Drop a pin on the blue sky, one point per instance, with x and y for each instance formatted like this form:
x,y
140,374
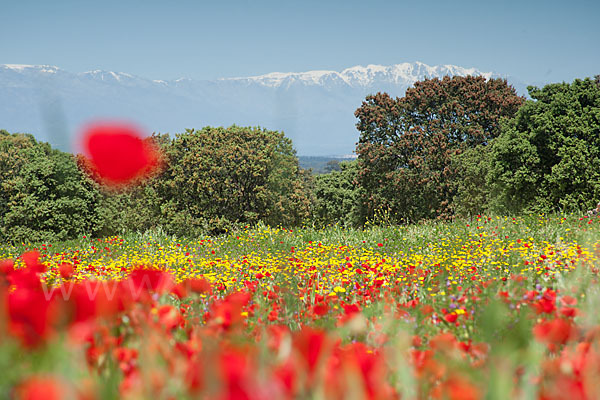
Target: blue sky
x,y
535,41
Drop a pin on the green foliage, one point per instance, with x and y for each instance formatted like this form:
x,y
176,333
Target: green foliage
x,y
43,196
407,144
548,157
336,196
11,162
472,191
333,165
212,180
216,177
136,209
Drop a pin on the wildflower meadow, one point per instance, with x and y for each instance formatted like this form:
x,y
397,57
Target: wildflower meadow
x,y
493,307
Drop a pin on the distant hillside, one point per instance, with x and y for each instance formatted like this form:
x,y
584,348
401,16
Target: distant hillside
x,y
315,109
319,164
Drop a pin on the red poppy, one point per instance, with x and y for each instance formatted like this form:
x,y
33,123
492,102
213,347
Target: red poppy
x,y
39,388
311,344
236,368
568,301
286,375
194,376
443,342
226,313
66,270
371,366
547,304
568,311
351,309
320,309
151,280
179,290
118,152
426,309
199,285
28,305
29,315
6,267
27,277
555,332
458,388
83,300
451,318
276,335
169,317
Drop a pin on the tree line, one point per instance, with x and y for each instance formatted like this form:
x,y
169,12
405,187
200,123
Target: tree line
x,y
449,147
463,146
212,180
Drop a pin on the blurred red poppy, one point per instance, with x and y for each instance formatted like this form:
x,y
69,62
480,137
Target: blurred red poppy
x,y
66,270
153,280
199,285
226,313
451,318
39,388
29,316
311,344
118,152
554,332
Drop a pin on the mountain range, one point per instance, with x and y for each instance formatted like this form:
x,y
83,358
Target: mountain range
x,y
315,109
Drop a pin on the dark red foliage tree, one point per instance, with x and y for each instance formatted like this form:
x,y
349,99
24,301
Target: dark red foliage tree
x,y
406,144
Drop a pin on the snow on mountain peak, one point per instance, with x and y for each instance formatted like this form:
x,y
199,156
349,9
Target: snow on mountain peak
x,y
17,67
405,74
49,69
360,76
275,79
107,75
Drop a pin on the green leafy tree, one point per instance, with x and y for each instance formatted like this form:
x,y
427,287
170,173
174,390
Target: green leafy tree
x,y
11,161
548,157
407,144
336,196
216,177
472,191
43,194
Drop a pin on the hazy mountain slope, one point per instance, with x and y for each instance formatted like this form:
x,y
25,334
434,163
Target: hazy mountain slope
x,y
315,108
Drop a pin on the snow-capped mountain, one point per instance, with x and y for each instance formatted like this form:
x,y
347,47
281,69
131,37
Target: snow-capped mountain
x,y
359,76
46,69
315,109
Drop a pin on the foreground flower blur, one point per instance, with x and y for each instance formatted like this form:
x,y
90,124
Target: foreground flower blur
x,y
118,152
266,313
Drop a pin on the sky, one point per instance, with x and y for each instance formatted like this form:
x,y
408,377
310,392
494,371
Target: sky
x,y
534,41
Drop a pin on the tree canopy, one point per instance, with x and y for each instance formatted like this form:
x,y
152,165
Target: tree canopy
x,y
43,194
548,157
336,196
217,176
406,144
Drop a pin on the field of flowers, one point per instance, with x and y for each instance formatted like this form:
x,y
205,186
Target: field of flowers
x,y
495,307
